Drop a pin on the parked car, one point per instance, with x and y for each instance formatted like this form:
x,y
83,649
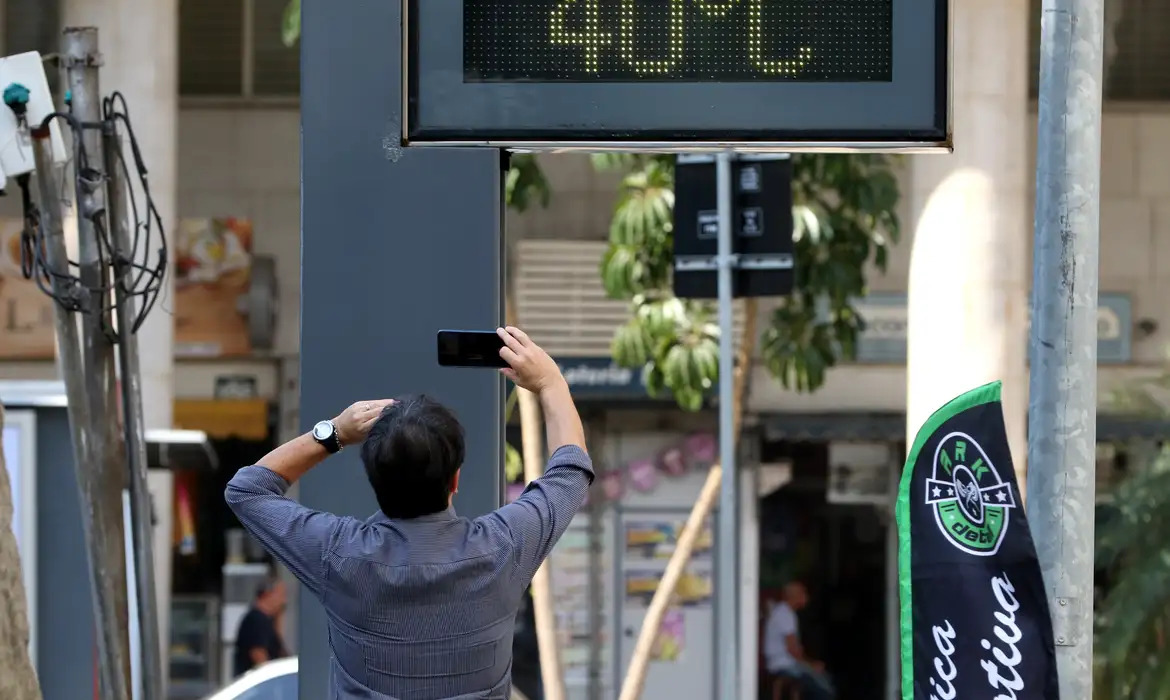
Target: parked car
x,y
275,680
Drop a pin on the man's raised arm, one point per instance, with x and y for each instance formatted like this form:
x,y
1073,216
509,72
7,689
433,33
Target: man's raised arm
x,y
562,422
537,519
297,536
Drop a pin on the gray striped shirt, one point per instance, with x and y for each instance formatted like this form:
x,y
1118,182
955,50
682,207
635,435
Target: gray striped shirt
x,y
418,609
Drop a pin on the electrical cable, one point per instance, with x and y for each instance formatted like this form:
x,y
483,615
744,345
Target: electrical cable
x,y
127,276
144,227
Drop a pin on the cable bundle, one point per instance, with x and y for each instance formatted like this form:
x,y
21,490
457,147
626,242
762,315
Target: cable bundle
x,y
129,271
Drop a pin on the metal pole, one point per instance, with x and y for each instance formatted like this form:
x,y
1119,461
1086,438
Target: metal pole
x,y
1063,401
69,358
141,513
107,470
728,642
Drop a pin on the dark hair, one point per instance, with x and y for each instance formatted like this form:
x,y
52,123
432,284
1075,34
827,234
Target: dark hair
x,y
411,456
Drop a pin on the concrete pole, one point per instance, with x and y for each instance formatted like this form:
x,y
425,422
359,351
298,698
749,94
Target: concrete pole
x,y
102,490
140,48
968,285
1063,410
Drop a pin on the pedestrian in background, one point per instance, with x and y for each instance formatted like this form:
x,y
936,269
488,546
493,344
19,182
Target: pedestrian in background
x,y
258,638
785,655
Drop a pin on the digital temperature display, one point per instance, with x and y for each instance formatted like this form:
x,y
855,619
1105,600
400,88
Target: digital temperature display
x,y
675,75
618,41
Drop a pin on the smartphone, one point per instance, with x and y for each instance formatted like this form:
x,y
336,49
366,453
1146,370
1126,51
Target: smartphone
x,y
470,349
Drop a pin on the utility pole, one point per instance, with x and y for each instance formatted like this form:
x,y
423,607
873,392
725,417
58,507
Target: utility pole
x,y
1062,411
727,611
141,513
106,418
103,487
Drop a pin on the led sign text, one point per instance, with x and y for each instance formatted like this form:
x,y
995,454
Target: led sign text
x,y
677,40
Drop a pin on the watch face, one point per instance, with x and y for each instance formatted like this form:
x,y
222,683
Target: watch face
x,y
323,430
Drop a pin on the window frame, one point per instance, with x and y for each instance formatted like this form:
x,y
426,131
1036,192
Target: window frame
x,y
247,97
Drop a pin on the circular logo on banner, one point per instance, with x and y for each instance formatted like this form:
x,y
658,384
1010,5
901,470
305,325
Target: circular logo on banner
x,y
972,503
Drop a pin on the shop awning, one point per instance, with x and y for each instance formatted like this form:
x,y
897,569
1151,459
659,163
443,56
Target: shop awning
x,y
179,449
165,449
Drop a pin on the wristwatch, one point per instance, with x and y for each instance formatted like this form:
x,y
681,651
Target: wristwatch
x,y
325,433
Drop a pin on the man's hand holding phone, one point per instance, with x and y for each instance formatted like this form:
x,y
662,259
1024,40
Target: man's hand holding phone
x,y
529,366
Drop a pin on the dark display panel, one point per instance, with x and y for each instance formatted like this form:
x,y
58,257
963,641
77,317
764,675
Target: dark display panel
x,y
553,74
677,40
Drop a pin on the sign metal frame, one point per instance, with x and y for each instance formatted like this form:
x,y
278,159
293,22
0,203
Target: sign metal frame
x,y
556,134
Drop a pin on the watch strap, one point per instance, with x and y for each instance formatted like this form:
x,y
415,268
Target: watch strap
x,y
332,444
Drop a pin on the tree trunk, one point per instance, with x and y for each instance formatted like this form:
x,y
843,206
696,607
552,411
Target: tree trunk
x,y
542,602
639,663
18,679
551,676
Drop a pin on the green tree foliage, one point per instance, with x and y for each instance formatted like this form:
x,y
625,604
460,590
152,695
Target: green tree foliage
x,y
525,184
290,26
513,463
1133,621
844,213
1133,531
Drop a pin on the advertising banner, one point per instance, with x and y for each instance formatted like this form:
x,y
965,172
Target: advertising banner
x,y
975,623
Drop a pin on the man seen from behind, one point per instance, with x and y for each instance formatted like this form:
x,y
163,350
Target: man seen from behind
x,y
421,603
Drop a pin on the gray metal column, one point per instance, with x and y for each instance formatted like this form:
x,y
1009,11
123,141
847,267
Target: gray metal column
x,y
726,609
396,244
1062,411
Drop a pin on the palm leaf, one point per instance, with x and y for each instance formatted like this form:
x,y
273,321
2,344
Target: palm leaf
x,y
290,25
844,219
1133,544
525,184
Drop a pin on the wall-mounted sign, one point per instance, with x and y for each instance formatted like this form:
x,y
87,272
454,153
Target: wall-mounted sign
x,y
601,377
761,204
884,338
779,73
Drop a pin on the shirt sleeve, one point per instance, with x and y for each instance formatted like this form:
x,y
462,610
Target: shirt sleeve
x,y
297,536
538,518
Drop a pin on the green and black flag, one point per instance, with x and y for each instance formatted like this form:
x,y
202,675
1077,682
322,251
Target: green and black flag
x,y
974,616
